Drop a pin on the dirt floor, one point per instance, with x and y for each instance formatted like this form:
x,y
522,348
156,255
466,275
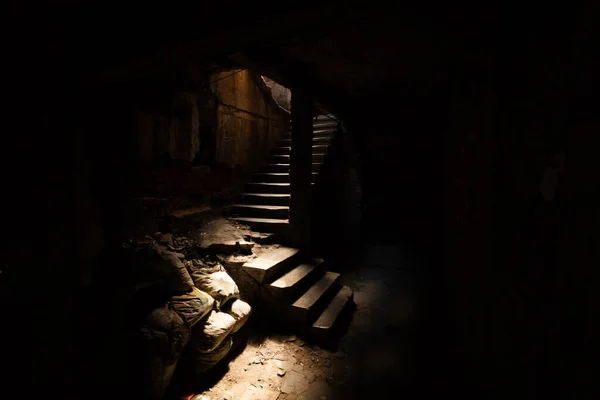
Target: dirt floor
x,y
377,352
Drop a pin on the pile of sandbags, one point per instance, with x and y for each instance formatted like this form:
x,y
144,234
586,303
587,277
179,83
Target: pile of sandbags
x,y
211,337
198,315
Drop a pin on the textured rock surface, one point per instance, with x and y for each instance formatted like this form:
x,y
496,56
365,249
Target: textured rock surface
x,y
222,236
248,287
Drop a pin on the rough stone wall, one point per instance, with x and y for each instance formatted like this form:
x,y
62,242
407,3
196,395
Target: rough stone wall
x,y
173,132
281,94
249,121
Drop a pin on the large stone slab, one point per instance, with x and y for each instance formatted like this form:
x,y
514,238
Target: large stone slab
x,y
341,301
221,236
289,284
271,265
316,297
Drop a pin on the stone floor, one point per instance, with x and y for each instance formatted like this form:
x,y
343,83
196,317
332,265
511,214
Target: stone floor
x,y
377,355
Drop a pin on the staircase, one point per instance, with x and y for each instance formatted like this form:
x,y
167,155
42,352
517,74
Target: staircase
x,y
302,294
295,288
265,205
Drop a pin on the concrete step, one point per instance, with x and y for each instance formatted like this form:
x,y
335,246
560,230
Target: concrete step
x,y
281,150
258,211
316,140
316,148
278,159
291,284
324,124
277,177
317,132
312,302
271,265
268,187
275,199
276,167
318,157
267,225
316,166
271,177
337,310
324,117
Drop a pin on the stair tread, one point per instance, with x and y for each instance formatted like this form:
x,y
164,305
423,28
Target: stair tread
x,y
327,319
278,173
296,274
269,183
312,295
266,194
271,264
285,165
320,138
313,146
263,220
262,207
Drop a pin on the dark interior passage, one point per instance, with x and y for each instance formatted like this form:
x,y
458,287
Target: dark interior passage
x,y
466,151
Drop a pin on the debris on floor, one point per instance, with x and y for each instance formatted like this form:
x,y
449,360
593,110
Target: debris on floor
x,y
275,367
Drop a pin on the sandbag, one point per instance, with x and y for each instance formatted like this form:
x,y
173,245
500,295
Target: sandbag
x,y
157,264
203,361
208,334
217,283
240,311
164,335
192,306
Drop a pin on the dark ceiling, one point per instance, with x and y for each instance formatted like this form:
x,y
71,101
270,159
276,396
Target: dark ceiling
x,y
335,49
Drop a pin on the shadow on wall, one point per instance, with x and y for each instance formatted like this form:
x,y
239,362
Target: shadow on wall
x,y
337,202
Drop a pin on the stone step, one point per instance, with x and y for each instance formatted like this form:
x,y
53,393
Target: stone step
x,y
341,305
316,148
318,157
276,199
285,158
292,283
317,132
267,225
316,140
324,124
278,159
310,304
258,211
277,177
316,166
268,187
324,117
276,167
271,265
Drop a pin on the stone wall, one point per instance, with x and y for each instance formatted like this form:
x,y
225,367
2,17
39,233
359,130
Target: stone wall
x,y
281,94
207,140
248,119
172,132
